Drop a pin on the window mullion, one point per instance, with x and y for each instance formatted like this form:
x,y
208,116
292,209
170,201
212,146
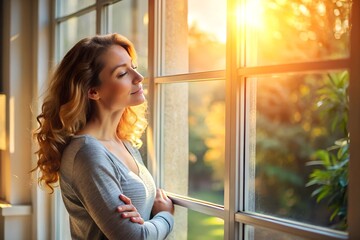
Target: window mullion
x,y
99,15
295,67
192,77
295,228
231,201
76,14
198,205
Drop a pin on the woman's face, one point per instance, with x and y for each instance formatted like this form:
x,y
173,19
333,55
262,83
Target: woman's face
x,y
120,82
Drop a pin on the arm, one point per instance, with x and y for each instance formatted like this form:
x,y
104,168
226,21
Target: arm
x,y
96,182
129,211
161,203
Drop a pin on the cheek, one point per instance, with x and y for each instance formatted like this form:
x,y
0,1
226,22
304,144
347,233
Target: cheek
x,y
115,92
122,88
118,90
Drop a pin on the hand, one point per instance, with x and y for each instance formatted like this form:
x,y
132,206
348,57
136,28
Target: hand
x,y
162,203
129,211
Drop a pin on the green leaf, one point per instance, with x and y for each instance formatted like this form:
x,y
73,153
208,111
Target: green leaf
x,y
325,191
323,155
314,163
338,166
343,181
334,214
320,174
312,182
316,191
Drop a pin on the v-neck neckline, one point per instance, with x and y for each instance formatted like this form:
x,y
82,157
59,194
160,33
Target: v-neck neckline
x,y
112,154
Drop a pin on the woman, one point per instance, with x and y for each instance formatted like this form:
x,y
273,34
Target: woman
x,y
90,128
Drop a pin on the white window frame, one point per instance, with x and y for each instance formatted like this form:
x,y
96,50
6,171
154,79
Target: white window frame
x,y
233,214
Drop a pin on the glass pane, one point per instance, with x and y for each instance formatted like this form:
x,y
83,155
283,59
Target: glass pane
x,y
130,18
298,147
73,30
204,227
255,233
292,31
193,124
144,147
192,225
195,36
66,7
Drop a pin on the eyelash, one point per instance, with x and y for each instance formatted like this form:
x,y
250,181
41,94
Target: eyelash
x,y
123,74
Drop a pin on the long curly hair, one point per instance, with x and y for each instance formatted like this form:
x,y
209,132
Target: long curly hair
x,y
67,108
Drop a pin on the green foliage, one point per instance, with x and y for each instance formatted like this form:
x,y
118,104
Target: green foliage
x,y
204,227
331,173
287,132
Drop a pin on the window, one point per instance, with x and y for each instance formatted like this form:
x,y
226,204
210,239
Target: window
x,y
253,127
296,116
189,85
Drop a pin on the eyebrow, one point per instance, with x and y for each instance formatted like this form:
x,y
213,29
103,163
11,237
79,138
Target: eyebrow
x,y
117,66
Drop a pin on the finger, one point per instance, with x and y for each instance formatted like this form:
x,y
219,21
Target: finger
x,y
130,214
163,194
158,193
138,220
125,199
126,208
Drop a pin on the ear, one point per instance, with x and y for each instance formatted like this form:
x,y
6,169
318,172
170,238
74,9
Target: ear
x,y
93,94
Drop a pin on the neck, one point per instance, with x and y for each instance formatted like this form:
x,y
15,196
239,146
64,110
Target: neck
x,y
103,126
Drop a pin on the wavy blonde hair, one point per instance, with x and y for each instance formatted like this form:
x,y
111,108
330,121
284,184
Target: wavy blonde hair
x,y
67,108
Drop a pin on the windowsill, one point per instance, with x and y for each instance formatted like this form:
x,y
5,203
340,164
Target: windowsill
x,y
7,209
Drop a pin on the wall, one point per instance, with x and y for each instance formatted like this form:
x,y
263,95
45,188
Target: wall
x,y
22,36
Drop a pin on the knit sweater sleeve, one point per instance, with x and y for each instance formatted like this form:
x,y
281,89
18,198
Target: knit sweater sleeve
x,y
96,183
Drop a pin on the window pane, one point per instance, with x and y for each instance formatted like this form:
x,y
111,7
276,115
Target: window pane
x,y
193,124
293,31
298,147
73,30
204,227
192,225
255,233
195,36
144,147
66,7
130,18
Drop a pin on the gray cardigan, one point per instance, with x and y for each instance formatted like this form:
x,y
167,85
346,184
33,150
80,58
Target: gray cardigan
x,y
91,180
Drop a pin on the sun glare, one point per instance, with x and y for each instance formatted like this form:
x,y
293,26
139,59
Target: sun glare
x,y
198,15
250,14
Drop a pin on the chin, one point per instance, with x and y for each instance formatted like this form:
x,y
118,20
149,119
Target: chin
x,y
138,101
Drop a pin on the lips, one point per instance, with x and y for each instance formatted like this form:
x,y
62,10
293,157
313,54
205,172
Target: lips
x,y
139,91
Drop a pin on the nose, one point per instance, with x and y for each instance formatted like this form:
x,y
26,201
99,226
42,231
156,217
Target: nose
x,y
137,77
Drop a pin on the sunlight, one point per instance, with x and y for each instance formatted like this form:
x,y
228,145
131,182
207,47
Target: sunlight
x,y
250,13
215,25
213,221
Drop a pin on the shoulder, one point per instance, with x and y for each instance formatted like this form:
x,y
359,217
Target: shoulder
x,y
85,150
86,159
83,143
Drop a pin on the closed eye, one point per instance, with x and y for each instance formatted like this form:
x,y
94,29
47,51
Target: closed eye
x,y
122,74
